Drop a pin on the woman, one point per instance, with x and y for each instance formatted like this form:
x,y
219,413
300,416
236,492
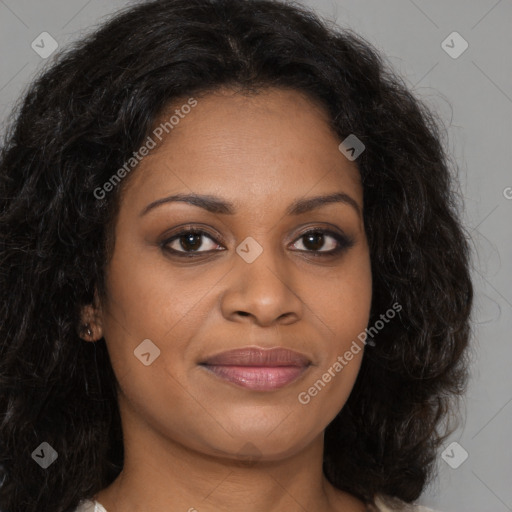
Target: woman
x,y
233,271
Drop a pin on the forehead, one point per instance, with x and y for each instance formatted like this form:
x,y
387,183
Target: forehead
x,y
278,140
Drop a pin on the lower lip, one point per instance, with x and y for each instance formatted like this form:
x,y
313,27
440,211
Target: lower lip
x,y
258,378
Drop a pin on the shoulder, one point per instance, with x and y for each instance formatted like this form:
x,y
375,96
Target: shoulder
x,y
389,504
89,506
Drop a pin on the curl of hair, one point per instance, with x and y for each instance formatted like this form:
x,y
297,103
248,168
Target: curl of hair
x,y
82,118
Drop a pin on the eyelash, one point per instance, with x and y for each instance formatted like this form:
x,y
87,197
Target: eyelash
x,y
344,243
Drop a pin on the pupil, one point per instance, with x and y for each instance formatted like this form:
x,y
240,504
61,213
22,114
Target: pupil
x,y
314,237
189,240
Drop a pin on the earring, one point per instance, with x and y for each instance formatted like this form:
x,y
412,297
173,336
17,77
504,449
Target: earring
x,y
87,329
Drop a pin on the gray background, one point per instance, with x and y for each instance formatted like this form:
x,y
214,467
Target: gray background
x,y
473,95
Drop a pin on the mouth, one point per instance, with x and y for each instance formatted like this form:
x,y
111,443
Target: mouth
x,y
258,369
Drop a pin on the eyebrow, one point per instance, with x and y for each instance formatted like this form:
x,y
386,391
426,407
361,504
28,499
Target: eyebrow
x,y
216,205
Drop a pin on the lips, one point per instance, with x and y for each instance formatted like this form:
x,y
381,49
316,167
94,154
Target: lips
x,y
259,357
258,369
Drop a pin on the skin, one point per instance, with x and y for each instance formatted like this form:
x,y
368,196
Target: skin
x,y
186,431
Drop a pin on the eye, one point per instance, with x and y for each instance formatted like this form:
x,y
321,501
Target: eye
x,y
315,240
188,242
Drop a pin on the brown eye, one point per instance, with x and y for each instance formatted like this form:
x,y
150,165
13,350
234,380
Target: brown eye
x,y
189,241
324,243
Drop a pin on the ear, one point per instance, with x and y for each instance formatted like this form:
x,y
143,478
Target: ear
x,y
91,327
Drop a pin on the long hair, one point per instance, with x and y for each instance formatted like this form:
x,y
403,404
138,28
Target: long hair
x,y
85,115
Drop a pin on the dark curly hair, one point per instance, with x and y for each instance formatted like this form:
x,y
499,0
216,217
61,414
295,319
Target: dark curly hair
x,y
90,110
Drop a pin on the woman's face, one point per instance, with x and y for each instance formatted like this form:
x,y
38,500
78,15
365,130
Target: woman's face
x,y
252,280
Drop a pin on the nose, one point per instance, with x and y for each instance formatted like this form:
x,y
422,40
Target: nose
x,y
263,292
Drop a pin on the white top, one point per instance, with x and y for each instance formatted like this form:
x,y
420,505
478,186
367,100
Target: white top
x,y
90,506
95,506
395,505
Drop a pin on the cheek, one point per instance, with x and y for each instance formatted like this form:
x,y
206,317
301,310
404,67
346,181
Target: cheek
x,y
152,296
342,300
149,302
343,305
153,300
